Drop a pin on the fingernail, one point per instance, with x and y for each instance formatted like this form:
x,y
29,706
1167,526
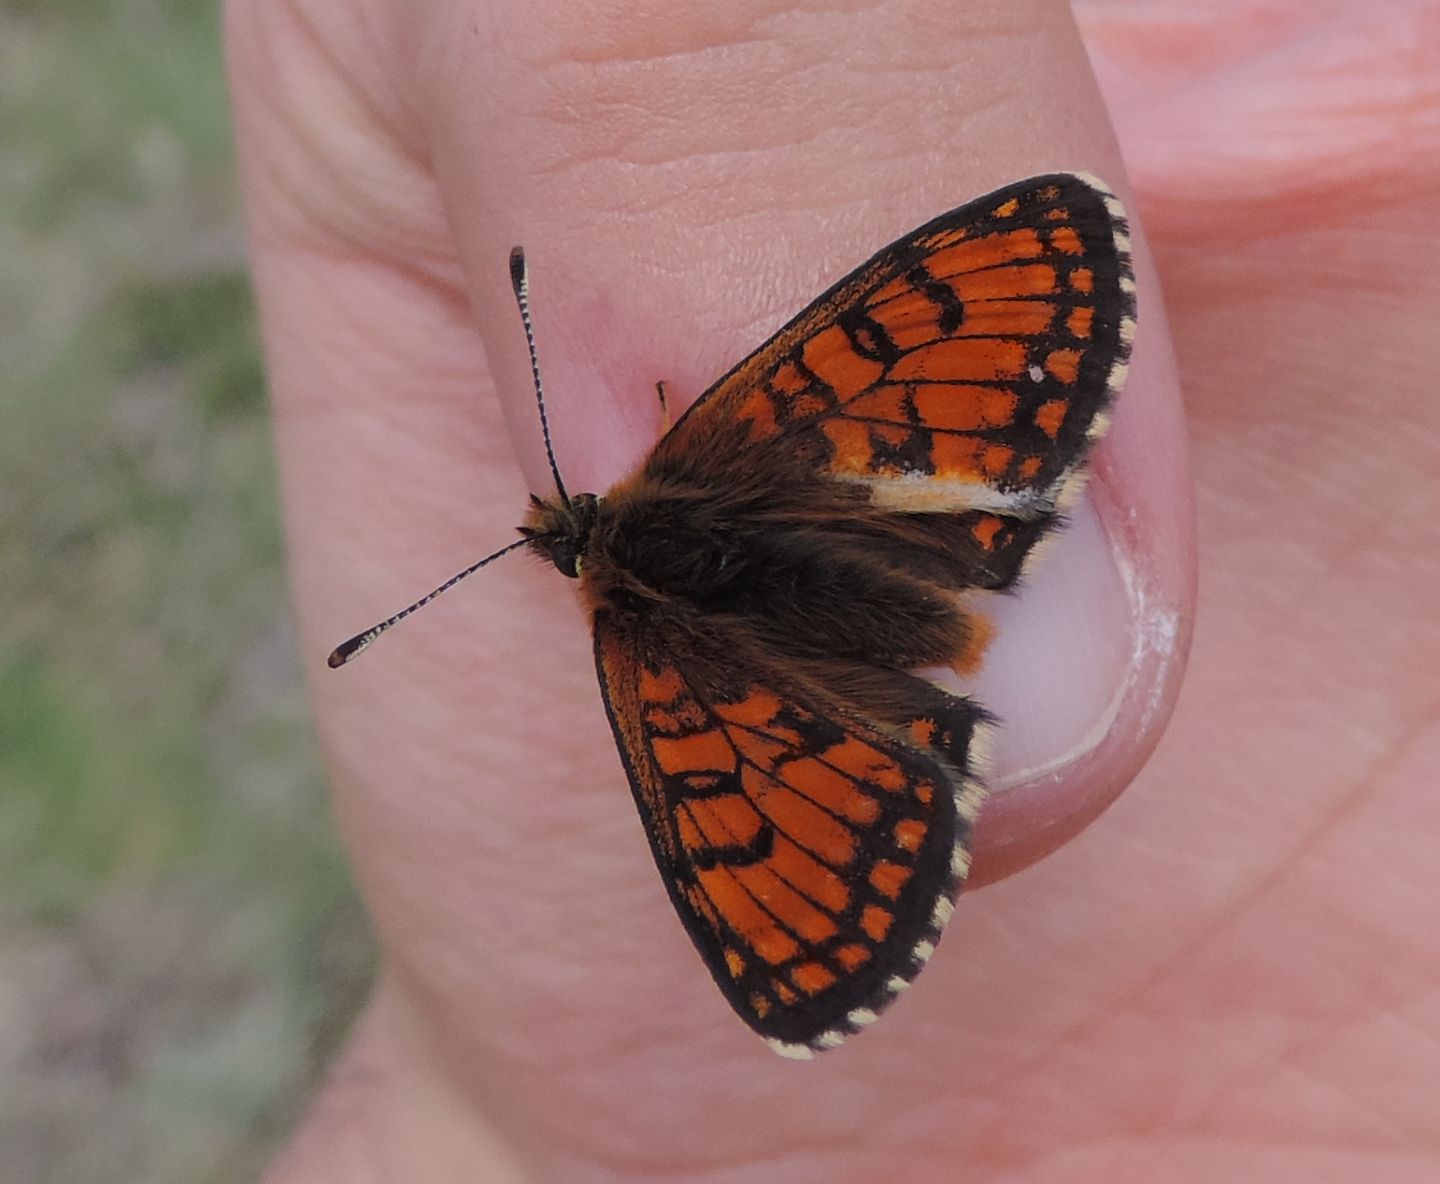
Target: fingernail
x,y
1063,646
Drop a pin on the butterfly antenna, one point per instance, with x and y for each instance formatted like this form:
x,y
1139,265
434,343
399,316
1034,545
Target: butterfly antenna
x,y
346,650
520,281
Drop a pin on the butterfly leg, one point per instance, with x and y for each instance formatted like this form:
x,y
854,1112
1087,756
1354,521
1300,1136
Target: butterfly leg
x,y
664,407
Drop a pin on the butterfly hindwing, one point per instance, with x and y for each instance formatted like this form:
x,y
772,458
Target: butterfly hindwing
x,y
812,852
966,368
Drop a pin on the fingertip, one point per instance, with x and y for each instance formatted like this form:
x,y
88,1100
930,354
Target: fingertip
x,y
1090,654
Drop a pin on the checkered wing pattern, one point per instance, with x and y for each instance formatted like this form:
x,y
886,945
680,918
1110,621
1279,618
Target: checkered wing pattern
x,y
812,851
965,369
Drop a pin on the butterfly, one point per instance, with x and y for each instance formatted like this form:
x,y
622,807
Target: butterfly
x,y
800,542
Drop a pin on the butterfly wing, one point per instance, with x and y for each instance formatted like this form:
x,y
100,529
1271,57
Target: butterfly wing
x,y
963,371
811,840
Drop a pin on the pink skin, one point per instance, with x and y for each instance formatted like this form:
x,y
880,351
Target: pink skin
x,y
1232,975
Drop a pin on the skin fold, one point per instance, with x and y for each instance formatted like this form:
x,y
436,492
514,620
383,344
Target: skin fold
x,y
1231,974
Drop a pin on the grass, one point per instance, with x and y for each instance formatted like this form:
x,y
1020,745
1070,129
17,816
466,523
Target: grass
x,y
180,946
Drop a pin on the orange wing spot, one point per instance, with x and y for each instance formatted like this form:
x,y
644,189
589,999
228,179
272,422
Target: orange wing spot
x,y
891,434
1065,239
743,914
785,994
956,458
922,731
734,963
791,909
1064,364
725,820
1050,416
758,748
909,834
1007,318
806,404
1029,467
865,763
811,977
759,1005
924,794
1082,279
663,721
762,750
947,238
852,957
1049,193
960,359
1002,283
889,878
895,289
760,411
884,402
691,715
1080,321
809,826
701,904
985,530
834,791
756,710
911,321
1058,214
990,250
788,380
960,408
851,441
996,458
684,716
705,752
703,782
664,687
690,837
809,875
876,921
1007,209
831,359
977,636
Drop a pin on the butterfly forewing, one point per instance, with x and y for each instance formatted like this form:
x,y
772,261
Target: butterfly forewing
x,y
965,367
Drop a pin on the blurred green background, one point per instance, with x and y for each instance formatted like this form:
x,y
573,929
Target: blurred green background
x,y
180,947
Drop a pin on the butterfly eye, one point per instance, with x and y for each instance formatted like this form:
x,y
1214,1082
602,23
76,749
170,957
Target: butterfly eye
x,y
567,559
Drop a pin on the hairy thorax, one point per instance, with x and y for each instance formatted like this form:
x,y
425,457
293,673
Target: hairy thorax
x,y
790,573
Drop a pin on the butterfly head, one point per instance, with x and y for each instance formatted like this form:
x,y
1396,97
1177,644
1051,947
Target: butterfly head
x,y
560,529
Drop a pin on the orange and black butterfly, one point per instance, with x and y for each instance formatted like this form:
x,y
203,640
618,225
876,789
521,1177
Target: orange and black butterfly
x,y
796,546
